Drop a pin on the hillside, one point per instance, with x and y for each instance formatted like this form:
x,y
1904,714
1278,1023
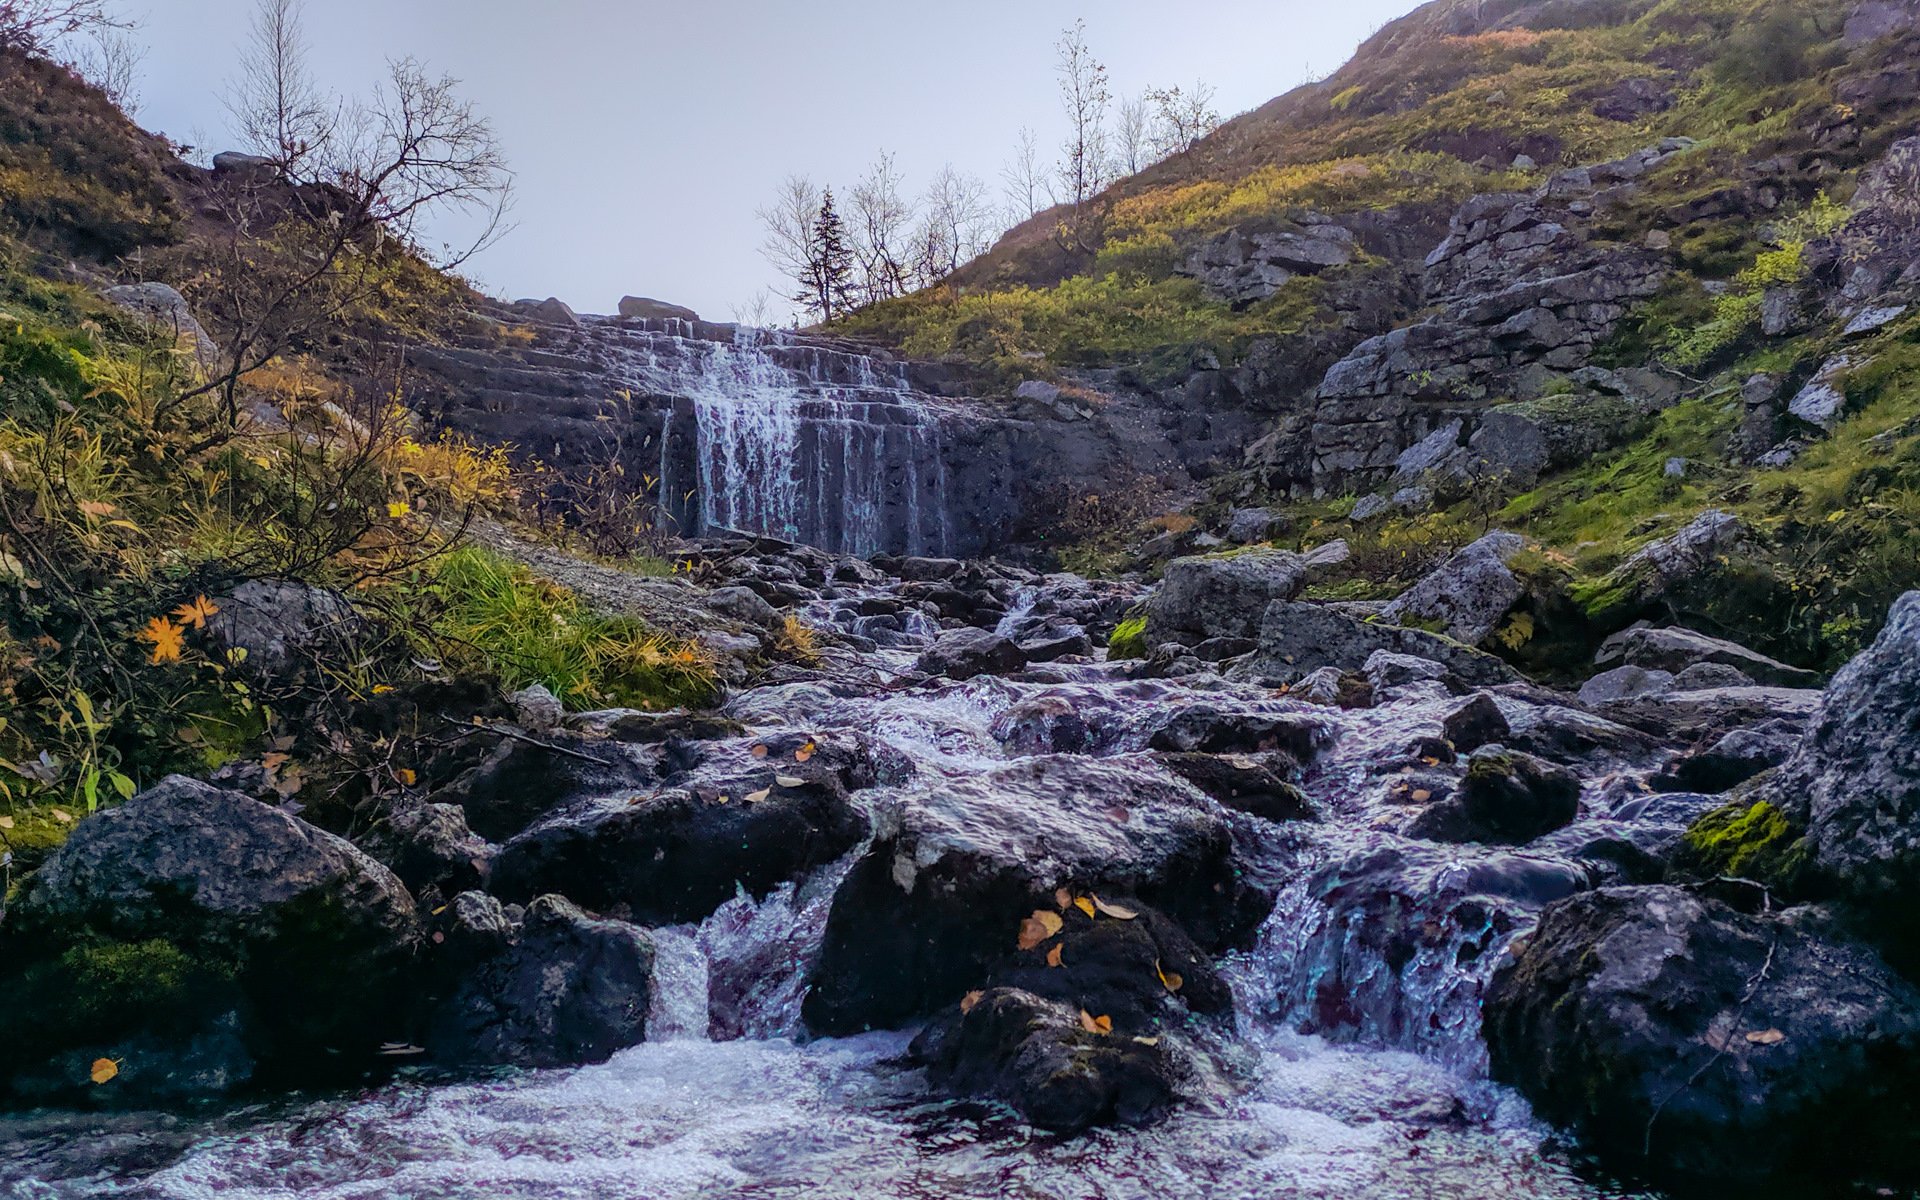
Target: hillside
x,y
1713,189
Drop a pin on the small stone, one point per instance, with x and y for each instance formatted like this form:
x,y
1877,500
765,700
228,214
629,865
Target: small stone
x,y
1676,468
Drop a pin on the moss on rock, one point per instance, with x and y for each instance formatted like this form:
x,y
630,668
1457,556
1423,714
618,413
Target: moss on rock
x,y
1129,639
1747,841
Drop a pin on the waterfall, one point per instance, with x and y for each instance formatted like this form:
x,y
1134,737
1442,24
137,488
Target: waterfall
x,y
788,439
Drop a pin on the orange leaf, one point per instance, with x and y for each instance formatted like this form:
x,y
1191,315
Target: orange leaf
x,y
968,1001
1766,1037
1114,910
1168,979
1084,905
1093,1024
1423,795
196,613
168,639
405,776
273,762
759,751
1038,928
1053,956
104,1069
804,753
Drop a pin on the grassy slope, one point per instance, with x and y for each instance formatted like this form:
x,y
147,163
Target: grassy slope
x,y
1405,124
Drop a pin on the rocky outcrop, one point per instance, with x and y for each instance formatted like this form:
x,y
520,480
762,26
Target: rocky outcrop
x,y
193,918
923,916
1710,1048
558,989
1298,638
1472,592
1674,650
1244,267
1665,574
1227,595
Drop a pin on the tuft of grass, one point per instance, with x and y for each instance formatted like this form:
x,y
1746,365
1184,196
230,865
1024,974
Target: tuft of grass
x,y
798,641
530,630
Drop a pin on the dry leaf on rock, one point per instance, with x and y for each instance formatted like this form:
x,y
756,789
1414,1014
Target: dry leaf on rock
x,y
1093,1024
1767,1037
1084,905
757,797
788,781
1063,898
1053,956
1038,928
104,1069
968,1001
1170,980
759,751
1114,910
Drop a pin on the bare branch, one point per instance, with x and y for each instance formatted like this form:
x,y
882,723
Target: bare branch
x,y
34,26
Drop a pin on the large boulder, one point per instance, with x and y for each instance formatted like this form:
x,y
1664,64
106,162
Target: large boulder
x,y
675,855
161,307
1091,1016
432,851
1507,796
192,916
1661,575
558,990
1712,1048
1226,596
1472,592
1854,782
1676,649
277,622
921,918
504,782
961,654
1297,639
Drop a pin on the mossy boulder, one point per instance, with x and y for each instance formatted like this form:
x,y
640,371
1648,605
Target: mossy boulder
x,y
196,924
1129,639
1747,840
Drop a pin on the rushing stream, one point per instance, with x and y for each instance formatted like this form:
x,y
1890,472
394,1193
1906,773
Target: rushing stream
x,y
1385,1095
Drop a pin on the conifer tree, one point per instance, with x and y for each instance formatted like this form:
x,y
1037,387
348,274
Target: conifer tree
x,y
829,273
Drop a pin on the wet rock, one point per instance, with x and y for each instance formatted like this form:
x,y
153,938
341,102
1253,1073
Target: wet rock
x,y
1325,686
1707,1047
430,848
537,710
961,654
1737,757
676,855
1042,725
1507,797
1568,735
1242,783
926,912
505,783
1472,592
1404,677
1676,649
204,902
1702,677
743,605
1854,783
1203,598
1296,639
1021,1036
1479,722
1625,683
1215,650
1057,644
638,728
565,990
1211,729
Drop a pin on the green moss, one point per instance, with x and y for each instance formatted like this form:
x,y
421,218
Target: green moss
x,y
35,835
1129,639
1745,841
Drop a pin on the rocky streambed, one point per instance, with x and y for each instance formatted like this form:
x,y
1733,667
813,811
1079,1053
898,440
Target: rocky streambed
x,y
1302,903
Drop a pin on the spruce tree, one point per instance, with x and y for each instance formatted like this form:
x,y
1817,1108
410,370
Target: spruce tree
x,y
829,263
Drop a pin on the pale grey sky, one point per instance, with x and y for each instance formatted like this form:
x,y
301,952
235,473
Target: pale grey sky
x,y
645,134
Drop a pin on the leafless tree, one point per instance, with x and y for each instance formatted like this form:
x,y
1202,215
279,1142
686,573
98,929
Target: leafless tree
x,y
277,108
1182,118
34,26
110,60
1026,179
788,224
1085,93
956,224
881,223
1133,134
756,312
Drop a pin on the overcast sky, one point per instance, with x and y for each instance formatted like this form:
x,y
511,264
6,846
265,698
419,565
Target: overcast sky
x,y
645,134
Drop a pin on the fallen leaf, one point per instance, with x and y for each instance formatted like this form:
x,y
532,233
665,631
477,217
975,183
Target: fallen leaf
x,y
1053,956
438,911
167,638
1147,1041
1431,761
788,781
1767,1037
1084,905
1093,1024
60,815
968,1001
6,822
196,613
757,797
438,937
405,776
724,799
96,508
1063,898
104,1069
1114,910
1170,980
804,753
1118,815
1423,795
1038,928
273,762
759,751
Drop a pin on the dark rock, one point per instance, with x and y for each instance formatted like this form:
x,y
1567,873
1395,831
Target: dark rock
x,y
677,855
744,605
1242,783
1569,735
925,914
1213,730
505,783
961,654
1242,268
1057,644
1403,677
1479,722
563,991
1676,649
641,308
1708,1048
1632,100
1735,758
187,904
1042,725
254,169
1297,639
646,729
1472,591
1854,782
1706,676
1516,797
430,847
1625,683
536,709
277,622
1202,598
1215,650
